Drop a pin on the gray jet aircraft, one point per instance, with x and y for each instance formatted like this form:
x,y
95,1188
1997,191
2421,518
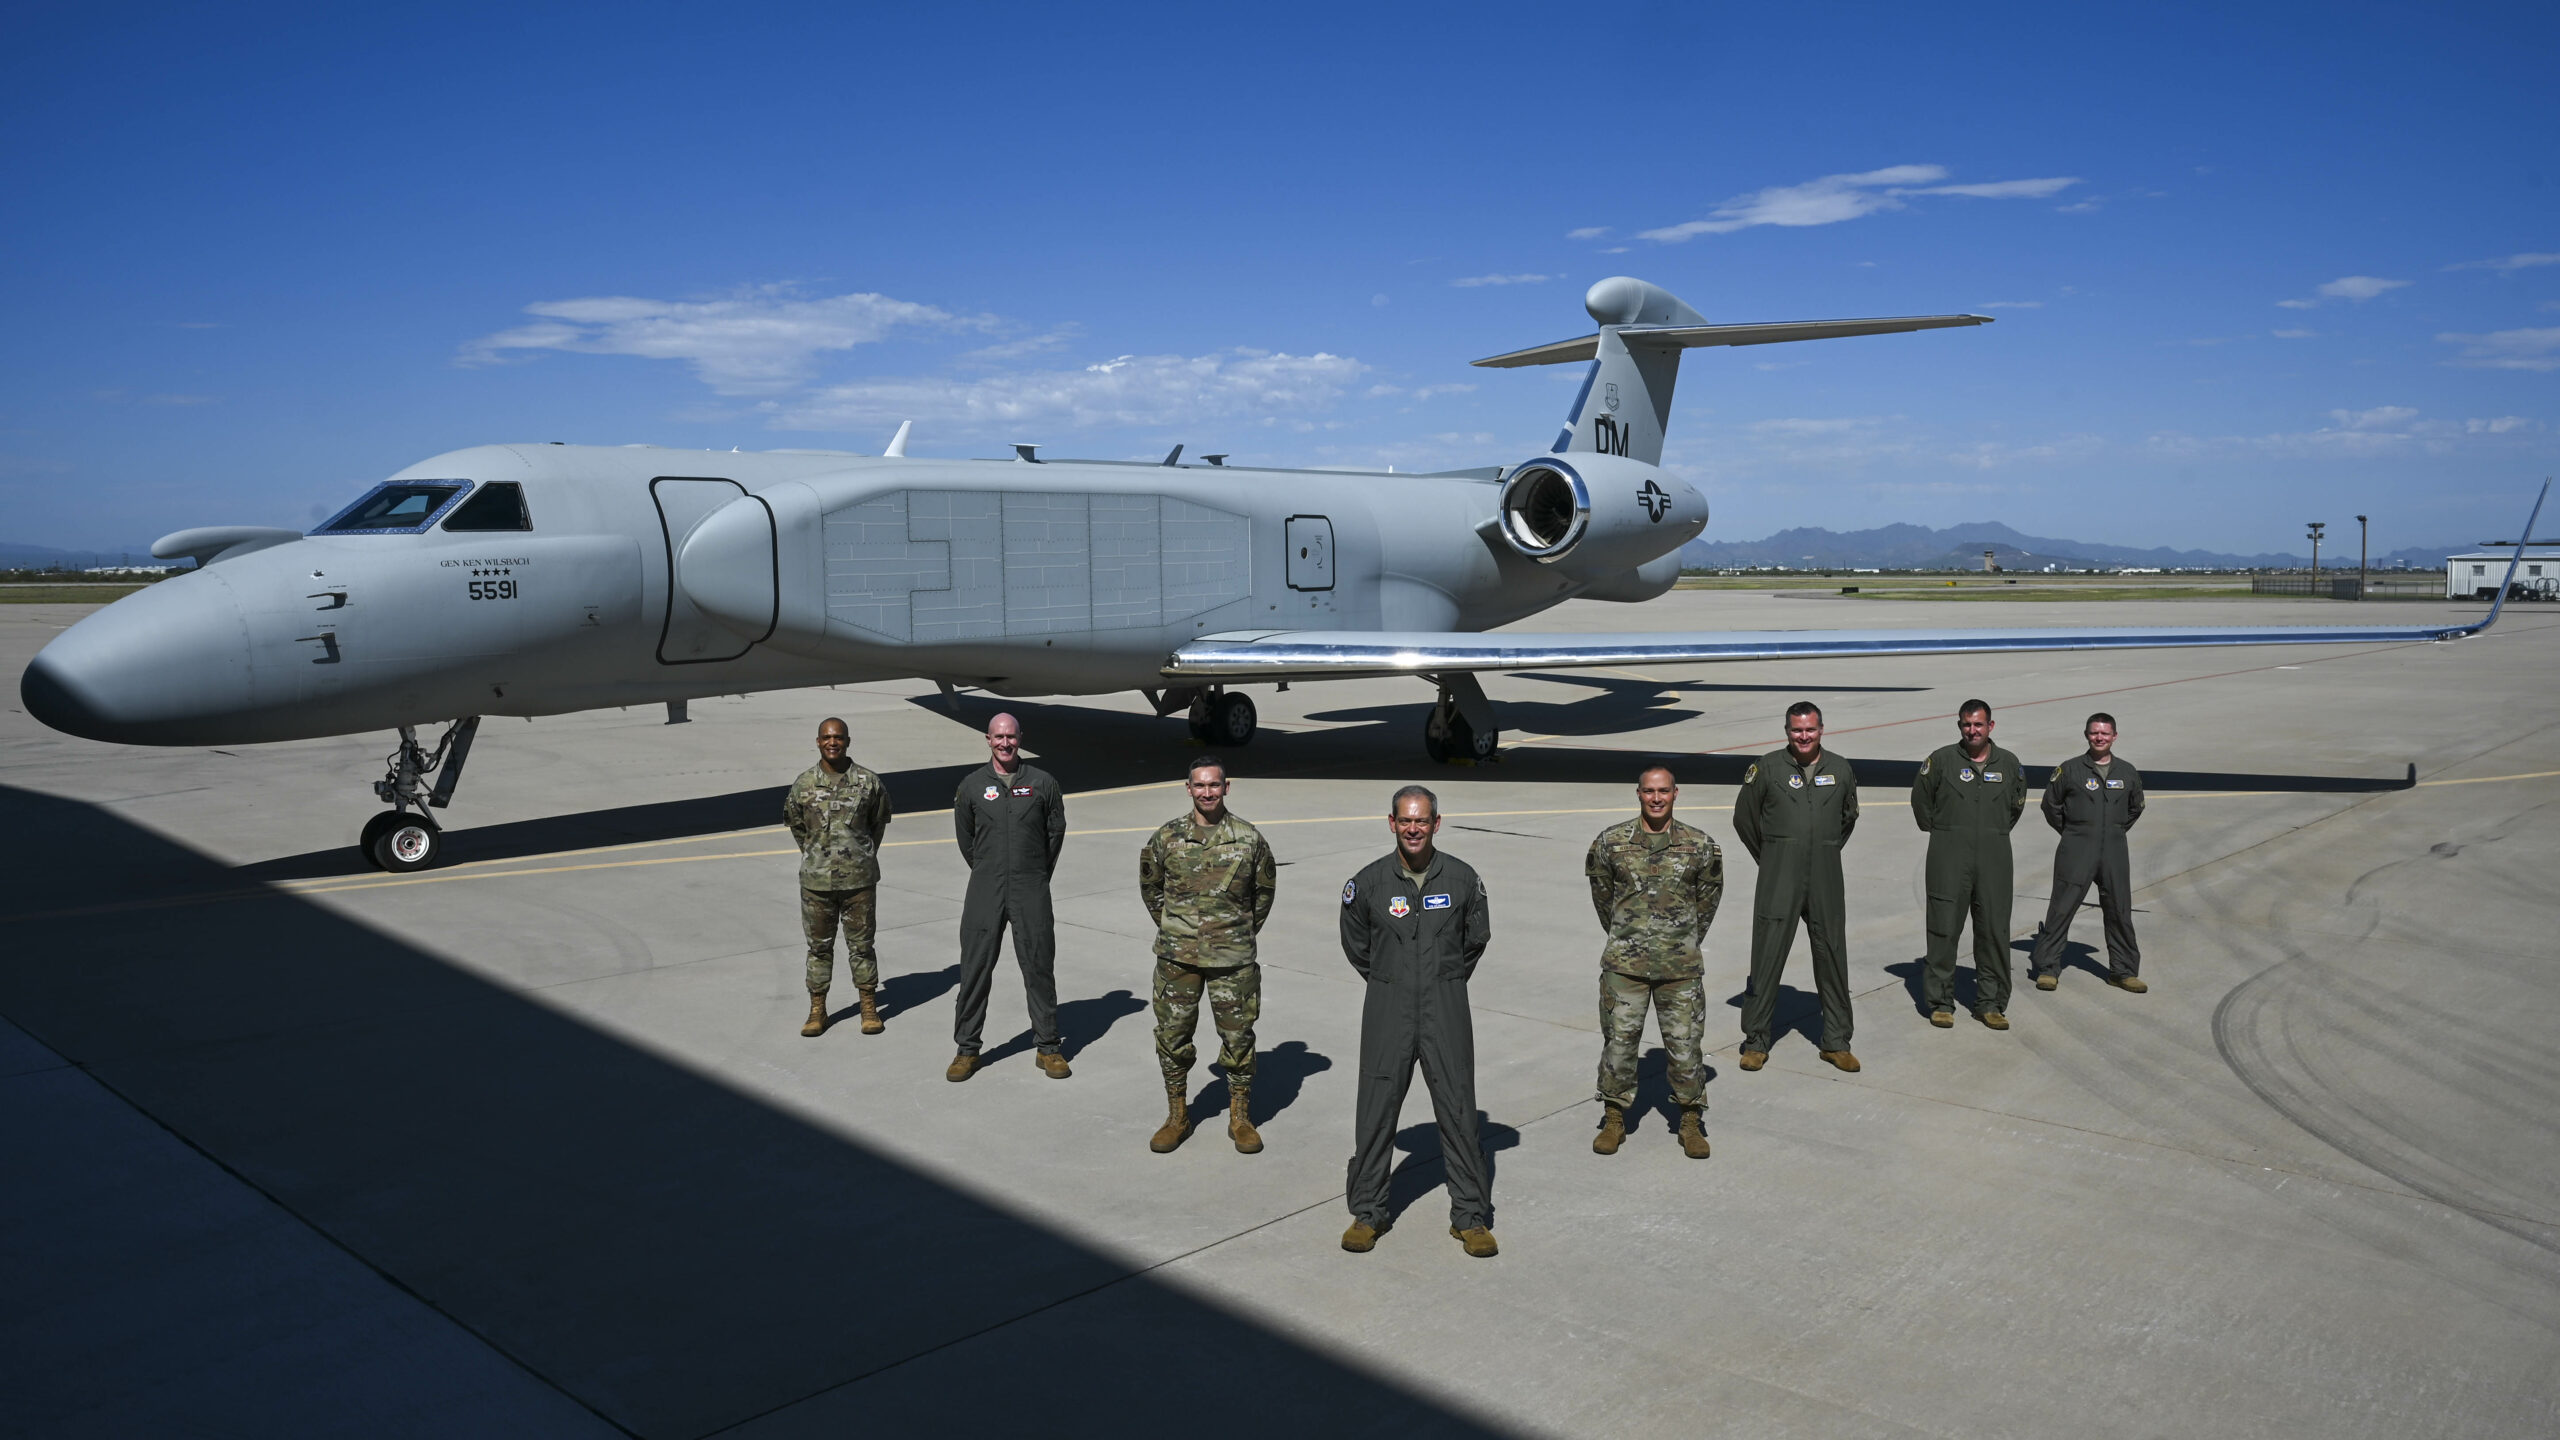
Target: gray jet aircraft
x,y
540,579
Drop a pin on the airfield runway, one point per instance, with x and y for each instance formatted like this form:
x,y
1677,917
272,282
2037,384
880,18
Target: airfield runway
x,y
532,1145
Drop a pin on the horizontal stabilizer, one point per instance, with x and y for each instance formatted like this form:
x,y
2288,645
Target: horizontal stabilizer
x,y
1690,337
1321,654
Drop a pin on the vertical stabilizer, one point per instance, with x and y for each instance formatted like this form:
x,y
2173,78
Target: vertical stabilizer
x,y
1625,404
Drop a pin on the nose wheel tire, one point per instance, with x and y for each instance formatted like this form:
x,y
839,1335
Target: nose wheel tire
x,y
406,842
372,831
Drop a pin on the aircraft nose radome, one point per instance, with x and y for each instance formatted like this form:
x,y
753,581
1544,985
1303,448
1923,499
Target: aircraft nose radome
x,y
144,670
54,699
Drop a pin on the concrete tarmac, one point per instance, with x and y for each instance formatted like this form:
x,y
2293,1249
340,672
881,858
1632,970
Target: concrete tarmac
x,y
532,1144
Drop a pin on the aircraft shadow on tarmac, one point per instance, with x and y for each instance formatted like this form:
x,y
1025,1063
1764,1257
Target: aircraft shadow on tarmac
x,y
672,1253
1095,749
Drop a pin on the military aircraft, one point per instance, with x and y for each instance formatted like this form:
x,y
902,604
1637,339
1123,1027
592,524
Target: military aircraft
x,y
540,579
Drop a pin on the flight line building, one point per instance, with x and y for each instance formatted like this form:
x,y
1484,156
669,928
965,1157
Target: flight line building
x,y
2477,574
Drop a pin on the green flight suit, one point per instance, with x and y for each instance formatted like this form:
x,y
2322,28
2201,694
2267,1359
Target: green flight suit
x,y
1794,819
1010,829
1209,890
2092,806
1417,946
1968,808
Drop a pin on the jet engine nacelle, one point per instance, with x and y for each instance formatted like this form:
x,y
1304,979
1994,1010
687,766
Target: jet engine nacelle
x,y
1598,515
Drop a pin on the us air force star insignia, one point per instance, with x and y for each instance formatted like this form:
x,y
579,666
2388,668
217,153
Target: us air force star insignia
x,y
991,792
1795,782
1965,774
1349,889
1399,908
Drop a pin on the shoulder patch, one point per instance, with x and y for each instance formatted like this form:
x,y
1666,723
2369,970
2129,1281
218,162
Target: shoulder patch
x,y
1924,765
1350,889
1752,773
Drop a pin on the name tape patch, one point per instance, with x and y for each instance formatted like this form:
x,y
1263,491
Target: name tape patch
x,y
1826,779
2115,784
1021,791
1435,902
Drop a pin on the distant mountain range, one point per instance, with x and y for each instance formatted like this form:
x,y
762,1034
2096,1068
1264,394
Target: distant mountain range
x,y
45,557
1960,547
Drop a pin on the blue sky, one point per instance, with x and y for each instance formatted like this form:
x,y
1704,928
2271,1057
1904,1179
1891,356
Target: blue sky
x,y
2252,265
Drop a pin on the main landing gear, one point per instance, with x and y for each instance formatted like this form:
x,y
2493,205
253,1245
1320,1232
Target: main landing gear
x,y
398,840
1217,716
1460,728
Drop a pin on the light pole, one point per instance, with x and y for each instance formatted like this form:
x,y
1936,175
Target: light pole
x,y
2364,552
2316,527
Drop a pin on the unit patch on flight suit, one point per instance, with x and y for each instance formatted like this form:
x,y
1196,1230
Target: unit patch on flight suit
x,y
1965,774
991,793
1795,782
2090,784
1399,907
1349,889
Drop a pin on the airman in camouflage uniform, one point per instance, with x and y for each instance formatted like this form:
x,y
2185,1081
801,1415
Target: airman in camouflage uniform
x,y
1208,880
836,811
1655,883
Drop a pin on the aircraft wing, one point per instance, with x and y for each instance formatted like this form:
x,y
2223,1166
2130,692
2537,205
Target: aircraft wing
x,y
1690,337
1335,654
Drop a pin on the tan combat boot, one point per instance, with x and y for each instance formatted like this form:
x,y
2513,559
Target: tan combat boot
x,y
1477,1239
817,1025
1693,1132
1177,1119
872,1024
1613,1130
1240,1119
1362,1237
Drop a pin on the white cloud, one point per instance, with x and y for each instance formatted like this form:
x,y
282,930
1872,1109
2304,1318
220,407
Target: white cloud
x,y
759,341
1132,390
1587,232
1419,392
2012,305
1378,301
2079,207
2509,264
2384,430
2359,288
2507,350
1472,281
1834,198
2294,334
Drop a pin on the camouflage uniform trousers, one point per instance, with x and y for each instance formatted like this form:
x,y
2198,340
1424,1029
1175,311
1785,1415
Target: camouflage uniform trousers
x,y
821,911
1679,1007
1235,1003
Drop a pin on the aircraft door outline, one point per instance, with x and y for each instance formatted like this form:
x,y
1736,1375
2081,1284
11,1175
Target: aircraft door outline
x,y
1309,541
682,624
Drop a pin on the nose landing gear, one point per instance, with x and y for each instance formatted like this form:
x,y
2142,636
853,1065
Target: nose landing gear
x,y
398,840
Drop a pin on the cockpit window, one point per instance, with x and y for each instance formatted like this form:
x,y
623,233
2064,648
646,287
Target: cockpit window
x,y
396,507
498,505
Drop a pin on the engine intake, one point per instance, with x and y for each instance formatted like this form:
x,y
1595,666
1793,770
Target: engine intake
x,y
1545,509
1596,517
